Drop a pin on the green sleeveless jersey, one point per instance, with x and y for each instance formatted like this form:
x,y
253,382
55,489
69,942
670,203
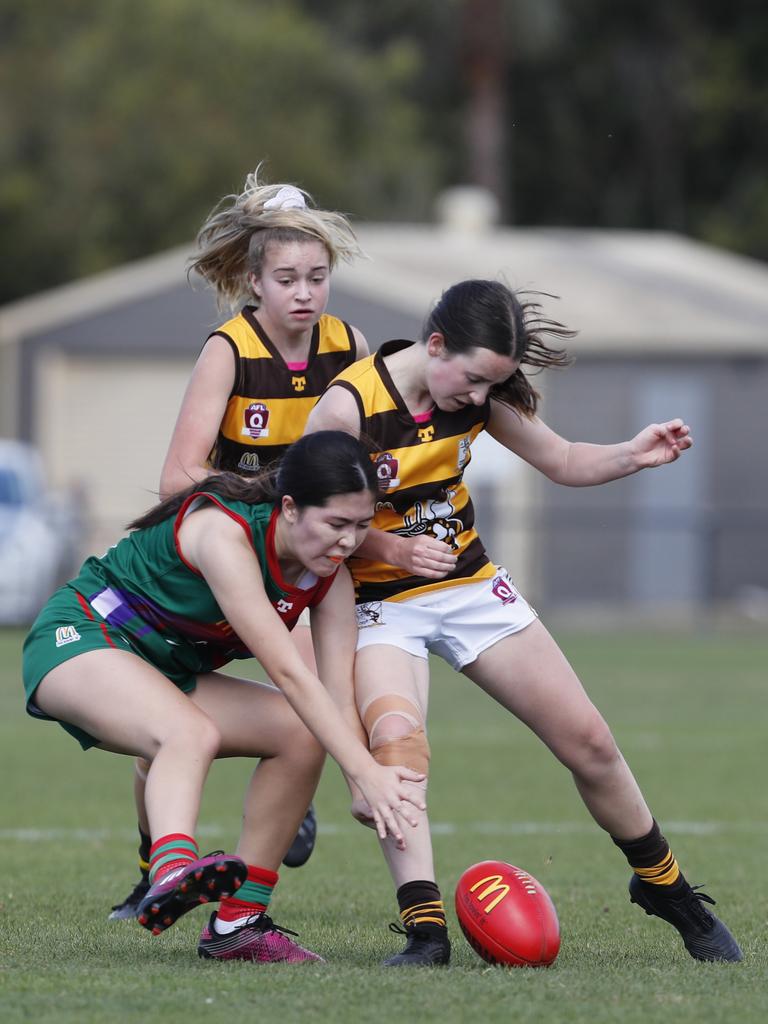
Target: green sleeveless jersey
x,y
143,588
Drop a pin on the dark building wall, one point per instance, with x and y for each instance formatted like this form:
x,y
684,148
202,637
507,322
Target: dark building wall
x,y
176,322
694,531
378,322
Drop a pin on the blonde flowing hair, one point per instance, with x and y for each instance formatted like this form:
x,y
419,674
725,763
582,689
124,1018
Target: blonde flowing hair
x,y
232,242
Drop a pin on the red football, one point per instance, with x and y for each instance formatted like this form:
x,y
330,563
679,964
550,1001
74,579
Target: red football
x,y
507,916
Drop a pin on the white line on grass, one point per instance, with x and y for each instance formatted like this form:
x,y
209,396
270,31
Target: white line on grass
x,y
439,828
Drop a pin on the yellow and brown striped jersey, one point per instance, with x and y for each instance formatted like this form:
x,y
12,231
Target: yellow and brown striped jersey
x,y
420,463
270,401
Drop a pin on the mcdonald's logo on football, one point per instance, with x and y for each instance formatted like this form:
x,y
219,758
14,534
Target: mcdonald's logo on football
x,y
494,885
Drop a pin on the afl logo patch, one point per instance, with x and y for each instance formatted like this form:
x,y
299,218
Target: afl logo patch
x,y
256,420
386,471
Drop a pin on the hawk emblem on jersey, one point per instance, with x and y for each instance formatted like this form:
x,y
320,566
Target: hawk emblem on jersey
x,y
386,471
464,455
436,518
503,589
256,420
426,433
298,383
284,606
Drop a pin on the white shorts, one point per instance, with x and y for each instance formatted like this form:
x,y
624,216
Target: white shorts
x,y
458,622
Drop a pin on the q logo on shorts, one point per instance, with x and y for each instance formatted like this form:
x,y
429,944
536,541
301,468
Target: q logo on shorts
x,y
504,590
256,418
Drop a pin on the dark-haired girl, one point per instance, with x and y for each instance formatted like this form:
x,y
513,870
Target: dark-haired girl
x,y
425,584
268,253
125,657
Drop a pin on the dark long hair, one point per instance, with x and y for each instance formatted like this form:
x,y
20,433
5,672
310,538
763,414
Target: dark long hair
x,y
488,314
313,469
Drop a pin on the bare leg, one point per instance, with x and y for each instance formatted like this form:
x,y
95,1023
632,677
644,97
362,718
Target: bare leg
x,y
528,674
408,677
134,709
302,638
140,772
254,719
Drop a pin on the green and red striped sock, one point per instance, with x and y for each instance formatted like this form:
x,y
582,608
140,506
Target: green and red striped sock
x,y
169,852
252,898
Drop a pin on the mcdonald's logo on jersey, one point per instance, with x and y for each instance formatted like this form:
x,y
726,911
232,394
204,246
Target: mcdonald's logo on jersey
x,y
298,383
426,433
249,462
66,635
494,885
256,420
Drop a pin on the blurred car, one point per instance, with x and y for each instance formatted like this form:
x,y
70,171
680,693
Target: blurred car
x,y
40,534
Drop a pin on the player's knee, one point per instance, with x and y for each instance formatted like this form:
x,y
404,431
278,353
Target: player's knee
x,y
193,732
596,748
207,737
301,747
396,733
410,750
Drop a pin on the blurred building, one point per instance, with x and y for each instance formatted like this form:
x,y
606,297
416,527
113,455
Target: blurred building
x,y
94,372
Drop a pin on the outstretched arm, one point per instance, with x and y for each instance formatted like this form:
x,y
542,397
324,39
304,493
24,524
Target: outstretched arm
x,y
577,464
334,636
217,546
200,415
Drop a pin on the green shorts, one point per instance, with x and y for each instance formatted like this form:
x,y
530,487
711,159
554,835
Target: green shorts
x,y
66,627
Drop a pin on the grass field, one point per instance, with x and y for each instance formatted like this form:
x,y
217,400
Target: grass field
x,y
690,715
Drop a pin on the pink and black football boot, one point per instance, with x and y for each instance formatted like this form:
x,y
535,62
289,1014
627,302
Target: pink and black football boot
x,y
259,940
206,880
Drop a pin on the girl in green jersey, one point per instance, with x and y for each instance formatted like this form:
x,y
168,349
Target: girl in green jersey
x,y
125,656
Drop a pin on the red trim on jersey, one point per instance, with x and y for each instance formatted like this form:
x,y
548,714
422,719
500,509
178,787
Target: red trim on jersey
x,y
87,609
307,598
180,518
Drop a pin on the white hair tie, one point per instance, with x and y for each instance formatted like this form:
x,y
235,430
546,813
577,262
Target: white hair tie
x,y
288,198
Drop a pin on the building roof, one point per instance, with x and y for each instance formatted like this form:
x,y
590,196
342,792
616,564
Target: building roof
x,y
624,291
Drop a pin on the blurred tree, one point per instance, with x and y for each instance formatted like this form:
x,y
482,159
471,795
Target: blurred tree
x,y
123,121
643,114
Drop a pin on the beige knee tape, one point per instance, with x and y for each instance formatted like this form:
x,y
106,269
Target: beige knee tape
x,y
412,751
380,708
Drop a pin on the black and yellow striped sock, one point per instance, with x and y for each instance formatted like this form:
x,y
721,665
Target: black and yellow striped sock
x,y
421,905
145,844
652,860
